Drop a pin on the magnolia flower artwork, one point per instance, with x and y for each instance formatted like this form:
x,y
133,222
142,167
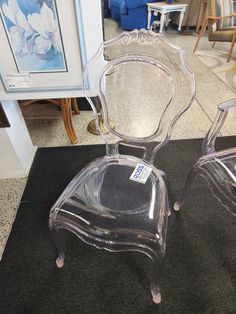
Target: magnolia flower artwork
x,y
33,32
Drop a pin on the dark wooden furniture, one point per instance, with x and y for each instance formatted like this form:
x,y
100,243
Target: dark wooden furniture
x,y
66,105
4,123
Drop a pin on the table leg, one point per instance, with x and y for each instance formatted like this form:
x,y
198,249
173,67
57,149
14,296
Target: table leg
x,y
162,21
149,18
65,105
167,19
181,17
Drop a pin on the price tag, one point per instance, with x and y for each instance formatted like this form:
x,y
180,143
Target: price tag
x,y
141,173
18,80
214,27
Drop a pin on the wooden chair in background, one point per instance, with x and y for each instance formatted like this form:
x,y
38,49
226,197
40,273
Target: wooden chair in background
x,y
66,105
218,33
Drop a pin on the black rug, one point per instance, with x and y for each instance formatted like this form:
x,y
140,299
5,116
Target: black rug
x,y
200,271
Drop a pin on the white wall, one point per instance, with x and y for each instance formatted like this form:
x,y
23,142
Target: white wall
x,y
16,149
92,25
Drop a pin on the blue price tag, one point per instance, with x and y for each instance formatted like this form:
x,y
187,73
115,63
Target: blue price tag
x,y
141,173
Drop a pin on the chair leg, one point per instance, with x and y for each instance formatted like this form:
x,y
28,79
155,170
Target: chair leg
x,y
201,34
232,47
199,18
67,118
202,13
58,241
167,183
74,105
213,45
156,277
187,187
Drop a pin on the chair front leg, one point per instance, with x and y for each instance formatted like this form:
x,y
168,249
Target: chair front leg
x,y
59,243
232,46
201,34
67,118
74,105
188,184
158,265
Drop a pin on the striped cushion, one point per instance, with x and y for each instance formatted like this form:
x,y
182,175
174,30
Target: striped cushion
x,y
235,12
225,7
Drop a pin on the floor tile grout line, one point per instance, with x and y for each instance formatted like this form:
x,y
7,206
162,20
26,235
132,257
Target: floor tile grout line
x,y
219,78
207,115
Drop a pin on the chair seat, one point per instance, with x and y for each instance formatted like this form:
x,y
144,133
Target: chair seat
x,y
224,35
224,160
219,170
102,203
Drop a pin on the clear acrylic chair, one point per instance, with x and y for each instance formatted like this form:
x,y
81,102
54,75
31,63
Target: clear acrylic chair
x,y
218,168
138,86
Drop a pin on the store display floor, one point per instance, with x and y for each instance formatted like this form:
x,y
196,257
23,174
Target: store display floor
x,y
50,131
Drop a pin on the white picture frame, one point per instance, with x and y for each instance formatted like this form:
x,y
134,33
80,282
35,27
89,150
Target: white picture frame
x,y
71,21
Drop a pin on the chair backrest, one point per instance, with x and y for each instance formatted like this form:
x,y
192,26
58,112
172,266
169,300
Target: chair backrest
x,y
221,8
140,82
208,146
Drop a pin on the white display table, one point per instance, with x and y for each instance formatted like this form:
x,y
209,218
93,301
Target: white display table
x,y
164,9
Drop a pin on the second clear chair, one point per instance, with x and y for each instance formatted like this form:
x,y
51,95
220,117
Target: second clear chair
x,y
218,168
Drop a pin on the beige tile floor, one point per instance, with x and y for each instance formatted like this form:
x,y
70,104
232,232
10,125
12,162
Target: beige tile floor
x,y
194,124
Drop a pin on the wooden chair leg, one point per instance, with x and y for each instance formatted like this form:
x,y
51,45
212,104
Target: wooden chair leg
x,y
67,118
232,47
201,14
74,105
199,18
201,34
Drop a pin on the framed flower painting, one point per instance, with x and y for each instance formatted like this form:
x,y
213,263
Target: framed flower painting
x,y
33,31
45,46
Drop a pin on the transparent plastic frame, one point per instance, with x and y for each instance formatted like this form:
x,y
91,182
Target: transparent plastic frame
x,y
218,168
138,85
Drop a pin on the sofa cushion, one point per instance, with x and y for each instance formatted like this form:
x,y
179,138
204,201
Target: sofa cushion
x,y
123,8
132,4
224,8
115,3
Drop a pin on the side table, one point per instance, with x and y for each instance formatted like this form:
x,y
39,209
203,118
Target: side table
x,y
164,9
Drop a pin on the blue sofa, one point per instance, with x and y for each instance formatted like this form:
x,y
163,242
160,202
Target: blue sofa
x,y
134,13
131,13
